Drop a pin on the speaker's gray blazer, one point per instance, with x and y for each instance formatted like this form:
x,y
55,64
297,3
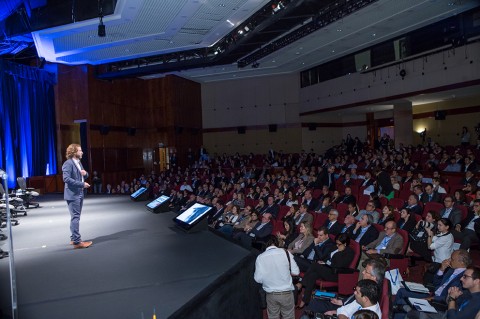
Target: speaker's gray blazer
x,y
73,180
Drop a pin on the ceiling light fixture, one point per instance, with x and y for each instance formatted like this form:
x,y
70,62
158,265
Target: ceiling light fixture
x,y
101,27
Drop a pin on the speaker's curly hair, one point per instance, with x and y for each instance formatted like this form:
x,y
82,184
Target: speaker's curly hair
x,y
71,150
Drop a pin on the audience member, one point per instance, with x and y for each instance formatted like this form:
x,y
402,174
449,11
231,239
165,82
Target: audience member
x,y
407,221
333,225
339,258
364,233
303,240
319,250
468,231
387,242
273,270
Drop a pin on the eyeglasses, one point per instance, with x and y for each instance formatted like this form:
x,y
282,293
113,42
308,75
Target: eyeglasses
x,y
466,276
339,244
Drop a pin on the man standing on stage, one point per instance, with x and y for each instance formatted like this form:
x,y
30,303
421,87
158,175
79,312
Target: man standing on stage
x,y
274,269
74,178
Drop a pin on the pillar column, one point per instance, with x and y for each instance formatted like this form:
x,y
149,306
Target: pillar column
x,y
403,123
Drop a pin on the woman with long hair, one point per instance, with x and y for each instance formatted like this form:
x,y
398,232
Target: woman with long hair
x,y
407,221
303,240
288,235
442,242
387,215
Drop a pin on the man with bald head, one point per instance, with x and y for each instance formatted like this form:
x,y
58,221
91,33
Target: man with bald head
x,y
388,242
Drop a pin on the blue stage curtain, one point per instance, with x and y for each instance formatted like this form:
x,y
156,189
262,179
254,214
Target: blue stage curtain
x,y
27,127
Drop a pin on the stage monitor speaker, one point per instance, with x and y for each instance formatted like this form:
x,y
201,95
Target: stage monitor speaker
x,y
440,115
159,205
272,128
241,129
312,127
104,129
194,219
140,195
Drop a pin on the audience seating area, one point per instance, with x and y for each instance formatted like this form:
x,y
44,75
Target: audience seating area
x,y
282,173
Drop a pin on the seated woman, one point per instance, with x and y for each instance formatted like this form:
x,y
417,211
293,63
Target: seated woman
x,y
291,200
291,213
353,209
253,220
226,226
460,198
303,240
238,200
442,242
260,206
336,197
387,215
419,236
407,221
288,235
339,258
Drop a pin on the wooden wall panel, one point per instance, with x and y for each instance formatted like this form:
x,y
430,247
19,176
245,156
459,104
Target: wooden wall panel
x,y
156,108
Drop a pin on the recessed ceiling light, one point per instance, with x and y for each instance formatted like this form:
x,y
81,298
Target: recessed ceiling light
x,y
339,30
374,34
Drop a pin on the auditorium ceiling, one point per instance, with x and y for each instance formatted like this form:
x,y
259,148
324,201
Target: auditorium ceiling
x,y
137,30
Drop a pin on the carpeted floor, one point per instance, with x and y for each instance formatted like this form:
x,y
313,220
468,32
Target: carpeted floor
x,y
139,262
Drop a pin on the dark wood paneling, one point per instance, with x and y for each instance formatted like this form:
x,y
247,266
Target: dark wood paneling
x,y
154,107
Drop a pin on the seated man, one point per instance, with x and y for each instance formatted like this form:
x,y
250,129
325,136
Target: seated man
x,y
364,233
271,208
388,242
449,275
349,225
332,223
319,250
309,200
413,206
302,215
370,210
257,233
462,304
374,270
325,205
367,295
348,198
450,211
430,195
468,230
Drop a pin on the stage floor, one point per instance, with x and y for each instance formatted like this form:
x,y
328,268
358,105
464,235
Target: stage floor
x,y
139,262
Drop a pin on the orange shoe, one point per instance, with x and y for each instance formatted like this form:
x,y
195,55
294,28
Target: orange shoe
x,y
83,244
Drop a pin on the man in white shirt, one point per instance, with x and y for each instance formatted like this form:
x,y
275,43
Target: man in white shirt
x,y
274,269
367,295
